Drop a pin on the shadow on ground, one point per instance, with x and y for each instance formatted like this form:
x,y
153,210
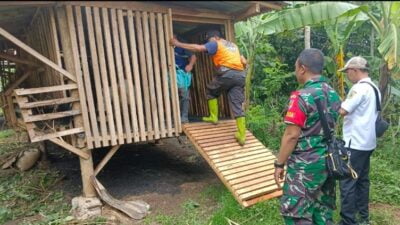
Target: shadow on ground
x,y
163,175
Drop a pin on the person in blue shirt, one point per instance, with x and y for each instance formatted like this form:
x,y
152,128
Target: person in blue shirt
x,y
184,61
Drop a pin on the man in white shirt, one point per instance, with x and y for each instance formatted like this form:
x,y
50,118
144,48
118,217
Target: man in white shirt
x,y
360,113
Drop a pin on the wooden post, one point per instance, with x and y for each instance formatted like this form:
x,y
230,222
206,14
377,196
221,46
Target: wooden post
x,y
68,55
307,37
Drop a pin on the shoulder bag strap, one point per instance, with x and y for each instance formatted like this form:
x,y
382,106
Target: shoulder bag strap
x,y
378,104
324,122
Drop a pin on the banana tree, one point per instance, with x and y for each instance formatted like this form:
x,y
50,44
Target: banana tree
x,y
247,36
249,32
308,15
387,25
338,33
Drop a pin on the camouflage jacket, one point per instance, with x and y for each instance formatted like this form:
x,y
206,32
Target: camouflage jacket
x,y
302,111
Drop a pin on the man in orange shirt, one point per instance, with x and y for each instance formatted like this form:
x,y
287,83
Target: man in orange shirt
x,y
230,77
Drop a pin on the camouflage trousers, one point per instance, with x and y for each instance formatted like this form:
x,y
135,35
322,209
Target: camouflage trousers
x,y
308,197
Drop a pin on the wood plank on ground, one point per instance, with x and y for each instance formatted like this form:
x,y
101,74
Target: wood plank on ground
x,y
246,170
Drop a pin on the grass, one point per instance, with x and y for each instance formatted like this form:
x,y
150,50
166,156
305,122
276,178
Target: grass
x,y
33,193
385,190
6,133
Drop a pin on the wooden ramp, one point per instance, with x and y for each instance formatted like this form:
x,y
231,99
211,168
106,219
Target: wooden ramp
x,y
247,171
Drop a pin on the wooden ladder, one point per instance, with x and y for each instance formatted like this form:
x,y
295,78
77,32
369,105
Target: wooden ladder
x,y
29,118
247,171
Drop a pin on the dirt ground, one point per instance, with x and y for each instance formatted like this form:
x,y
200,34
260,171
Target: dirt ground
x,y
163,175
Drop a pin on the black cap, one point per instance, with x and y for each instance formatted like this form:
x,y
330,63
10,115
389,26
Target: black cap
x,y
212,33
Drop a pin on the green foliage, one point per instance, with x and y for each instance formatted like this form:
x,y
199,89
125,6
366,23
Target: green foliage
x,y
385,171
266,213
313,14
32,193
266,124
6,133
29,193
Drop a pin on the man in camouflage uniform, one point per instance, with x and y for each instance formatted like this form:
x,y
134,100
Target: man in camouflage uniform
x,y
308,194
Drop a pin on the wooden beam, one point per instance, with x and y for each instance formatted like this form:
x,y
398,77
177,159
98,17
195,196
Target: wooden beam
x,y
135,5
57,101
51,116
27,3
268,5
106,158
70,148
190,19
17,82
31,91
39,136
253,10
151,7
17,60
201,13
36,54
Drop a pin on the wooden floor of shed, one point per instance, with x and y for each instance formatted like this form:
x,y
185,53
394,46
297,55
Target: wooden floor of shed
x,y
247,171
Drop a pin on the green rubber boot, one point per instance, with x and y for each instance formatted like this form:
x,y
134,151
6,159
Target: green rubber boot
x,y
241,130
213,108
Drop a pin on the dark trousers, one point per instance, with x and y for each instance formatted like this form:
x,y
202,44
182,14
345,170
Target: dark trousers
x,y
184,98
233,82
354,194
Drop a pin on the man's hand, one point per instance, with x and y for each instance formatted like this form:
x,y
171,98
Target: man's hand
x,y
188,68
173,41
343,112
279,175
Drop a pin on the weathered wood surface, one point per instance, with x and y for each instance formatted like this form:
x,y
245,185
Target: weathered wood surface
x,y
247,171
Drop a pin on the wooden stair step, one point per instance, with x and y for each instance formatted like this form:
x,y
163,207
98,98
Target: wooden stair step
x,y
31,91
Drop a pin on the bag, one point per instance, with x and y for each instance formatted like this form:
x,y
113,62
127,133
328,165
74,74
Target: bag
x,y
183,78
338,156
381,125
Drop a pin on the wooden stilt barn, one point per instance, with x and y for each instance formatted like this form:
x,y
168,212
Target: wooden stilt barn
x,y
86,75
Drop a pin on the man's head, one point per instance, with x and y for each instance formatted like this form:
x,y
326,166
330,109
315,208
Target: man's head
x,y
356,69
309,63
213,35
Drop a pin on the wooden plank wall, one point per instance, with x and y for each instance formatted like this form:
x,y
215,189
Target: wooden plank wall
x,y
41,35
127,75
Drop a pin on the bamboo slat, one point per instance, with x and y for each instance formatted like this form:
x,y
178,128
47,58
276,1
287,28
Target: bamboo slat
x,y
128,74
104,78
78,74
163,45
174,86
111,69
150,74
158,87
143,75
86,77
121,80
96,73
136,76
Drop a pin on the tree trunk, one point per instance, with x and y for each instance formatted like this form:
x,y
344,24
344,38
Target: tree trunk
x,y
372,42
249,77
384,82
307,37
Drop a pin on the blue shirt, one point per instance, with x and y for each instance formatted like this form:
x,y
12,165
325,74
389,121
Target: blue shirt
x,y
182,57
